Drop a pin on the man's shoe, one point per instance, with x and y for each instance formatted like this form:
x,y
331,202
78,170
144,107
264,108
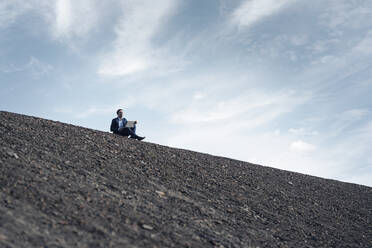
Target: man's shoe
x,y
141,138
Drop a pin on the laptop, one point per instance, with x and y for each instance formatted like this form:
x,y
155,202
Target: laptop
x,y
130,124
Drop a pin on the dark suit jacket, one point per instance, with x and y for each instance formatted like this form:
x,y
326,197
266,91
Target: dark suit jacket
x,y
115,124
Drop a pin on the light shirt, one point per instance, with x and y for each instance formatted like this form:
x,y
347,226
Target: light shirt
x,y
121,124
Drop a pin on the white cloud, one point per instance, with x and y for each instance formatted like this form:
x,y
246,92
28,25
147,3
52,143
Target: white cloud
x,y
74,19
83,112
328,59
302,132
10,68
255,106
364,47
133,50
299,40
252,11
198,96
351,155
297,131
63,17
340,122
233,127
321,46
8,13
346,14
66,19
354,114
301,146
328,70
34,66
37,67
10,10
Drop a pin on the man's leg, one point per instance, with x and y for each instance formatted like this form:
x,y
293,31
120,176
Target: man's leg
x,y
132,132
133,129
133,135
124,132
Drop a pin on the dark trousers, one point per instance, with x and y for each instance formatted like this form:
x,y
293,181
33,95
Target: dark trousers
x,y
126,131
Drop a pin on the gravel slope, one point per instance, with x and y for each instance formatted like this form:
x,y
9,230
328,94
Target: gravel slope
x,y
68,186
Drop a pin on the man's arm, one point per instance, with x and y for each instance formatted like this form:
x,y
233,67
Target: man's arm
x,y
124,122
113,127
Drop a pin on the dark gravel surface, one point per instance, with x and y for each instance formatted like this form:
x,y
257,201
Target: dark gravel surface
x,y
68,186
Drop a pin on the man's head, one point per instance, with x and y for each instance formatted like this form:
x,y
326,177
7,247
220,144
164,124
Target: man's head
x,y
119,112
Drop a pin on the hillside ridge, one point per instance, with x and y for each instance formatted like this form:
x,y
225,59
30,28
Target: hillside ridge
x,y
67,186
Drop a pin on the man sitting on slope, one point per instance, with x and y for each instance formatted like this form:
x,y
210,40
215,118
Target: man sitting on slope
x,y
119,126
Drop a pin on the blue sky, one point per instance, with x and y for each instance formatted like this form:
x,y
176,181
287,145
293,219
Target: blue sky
x,y
282,83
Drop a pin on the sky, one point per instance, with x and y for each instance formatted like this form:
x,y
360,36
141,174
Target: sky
x,y
281,83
